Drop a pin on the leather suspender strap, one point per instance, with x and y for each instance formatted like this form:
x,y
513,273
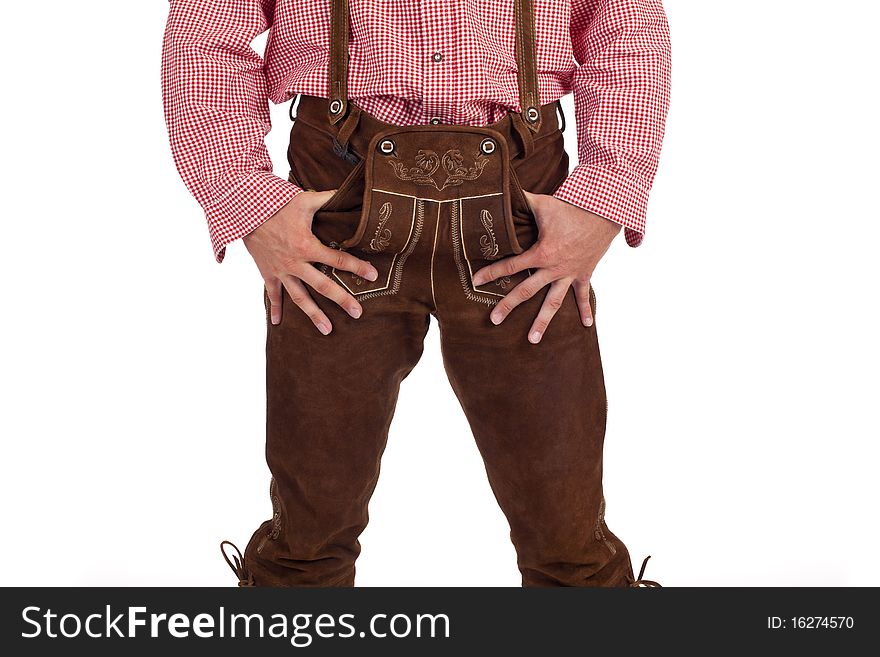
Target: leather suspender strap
x,y
338,73
526,62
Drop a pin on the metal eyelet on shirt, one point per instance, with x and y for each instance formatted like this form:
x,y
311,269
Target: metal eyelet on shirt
x,y
336,106
386,147
532,114
488,146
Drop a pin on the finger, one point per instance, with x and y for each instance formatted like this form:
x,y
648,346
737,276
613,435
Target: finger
x,y
582,294
327,287
317,199
533,199
552,303
273,291
301,297
506,267
521,293
345,262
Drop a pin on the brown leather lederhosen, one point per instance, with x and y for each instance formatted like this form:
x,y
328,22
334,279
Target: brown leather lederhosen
x,y
428,205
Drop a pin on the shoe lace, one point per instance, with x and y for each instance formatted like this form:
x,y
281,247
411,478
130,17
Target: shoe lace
x,y
641,582
237,564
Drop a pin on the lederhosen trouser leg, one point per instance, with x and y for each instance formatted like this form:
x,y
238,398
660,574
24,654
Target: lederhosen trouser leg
x,y
429,206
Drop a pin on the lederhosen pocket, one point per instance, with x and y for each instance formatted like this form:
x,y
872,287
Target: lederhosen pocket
x,y
335,221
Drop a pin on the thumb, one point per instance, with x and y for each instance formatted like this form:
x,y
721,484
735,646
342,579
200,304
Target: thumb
x,y
533,199
320,198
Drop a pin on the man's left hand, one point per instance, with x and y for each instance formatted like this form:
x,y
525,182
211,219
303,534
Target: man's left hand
x,y
571,241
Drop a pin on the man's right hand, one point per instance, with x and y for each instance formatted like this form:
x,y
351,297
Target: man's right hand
x,y
284,249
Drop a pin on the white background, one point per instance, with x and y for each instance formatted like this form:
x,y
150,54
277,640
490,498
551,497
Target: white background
x,y
739,341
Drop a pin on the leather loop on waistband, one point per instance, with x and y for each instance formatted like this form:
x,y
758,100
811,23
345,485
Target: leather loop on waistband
x,y
337,94
292,107
561,115
527,64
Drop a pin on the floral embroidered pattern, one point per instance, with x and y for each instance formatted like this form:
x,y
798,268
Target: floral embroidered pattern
x,y
488,243
599,532
502,282
397,276
276,510
461,261
428,163
275,530
382,237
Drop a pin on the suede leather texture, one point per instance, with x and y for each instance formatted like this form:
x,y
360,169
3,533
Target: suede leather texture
x,y
428,206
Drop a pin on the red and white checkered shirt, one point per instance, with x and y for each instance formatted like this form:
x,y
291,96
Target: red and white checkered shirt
x,y
612,54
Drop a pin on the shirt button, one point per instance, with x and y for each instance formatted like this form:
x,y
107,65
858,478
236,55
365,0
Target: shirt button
x,y
437,57
435,121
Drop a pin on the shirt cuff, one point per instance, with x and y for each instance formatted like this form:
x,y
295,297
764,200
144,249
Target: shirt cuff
x,y
250,204
609,195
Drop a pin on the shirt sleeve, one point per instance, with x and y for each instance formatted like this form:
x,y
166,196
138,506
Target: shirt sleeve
x,y
621,96
216,106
